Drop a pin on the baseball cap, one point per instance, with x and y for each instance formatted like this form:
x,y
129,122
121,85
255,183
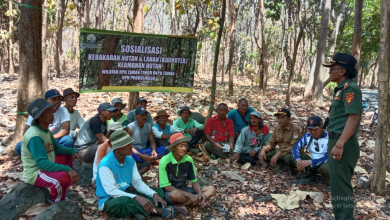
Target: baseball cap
x,y
69,91
283,111
141,99
52,93
140,111
345,60
106,107
36,108
314,122
118,100
120,139
176,139
255,113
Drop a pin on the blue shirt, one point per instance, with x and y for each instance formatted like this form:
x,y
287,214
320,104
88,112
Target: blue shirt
x,y
122,175
318,149
239,124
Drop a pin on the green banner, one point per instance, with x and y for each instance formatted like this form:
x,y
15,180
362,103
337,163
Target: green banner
x,y
113,61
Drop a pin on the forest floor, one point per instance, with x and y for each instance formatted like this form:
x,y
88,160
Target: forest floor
x,y
242,192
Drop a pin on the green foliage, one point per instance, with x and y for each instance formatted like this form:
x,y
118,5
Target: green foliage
x,y
273,9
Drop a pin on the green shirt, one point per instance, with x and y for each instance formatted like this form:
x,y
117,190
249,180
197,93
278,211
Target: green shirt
x,y
347,99
191,123
123,120
38,153
172,173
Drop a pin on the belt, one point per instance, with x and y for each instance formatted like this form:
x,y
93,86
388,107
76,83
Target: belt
x,y
333,135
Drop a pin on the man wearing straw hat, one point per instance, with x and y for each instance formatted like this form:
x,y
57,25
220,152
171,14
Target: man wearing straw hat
x,y
161,130
116,172
190,127
175,170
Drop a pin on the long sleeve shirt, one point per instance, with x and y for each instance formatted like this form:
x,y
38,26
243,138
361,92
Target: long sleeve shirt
x,y
191,123
286,138
318,149
248,140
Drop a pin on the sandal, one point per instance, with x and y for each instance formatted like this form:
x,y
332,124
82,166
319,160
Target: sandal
x,y
71,195
168,214
139,217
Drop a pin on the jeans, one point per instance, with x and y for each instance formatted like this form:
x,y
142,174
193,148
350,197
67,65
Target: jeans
x,y
195,139
66,141
161,151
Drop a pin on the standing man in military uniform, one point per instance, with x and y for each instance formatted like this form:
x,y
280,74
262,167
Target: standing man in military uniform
x,y
344,122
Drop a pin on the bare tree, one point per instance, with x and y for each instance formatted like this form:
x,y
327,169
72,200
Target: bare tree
x,y
378,184
11,64
45,74
336,24
357,35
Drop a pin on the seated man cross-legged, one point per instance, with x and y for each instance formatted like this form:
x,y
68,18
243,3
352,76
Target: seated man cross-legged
x,y
175,170
161,130
286,135
116,172
46,163
317,145
142,132
251,140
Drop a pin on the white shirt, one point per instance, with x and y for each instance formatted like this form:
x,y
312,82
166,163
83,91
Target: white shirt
x,y
60,116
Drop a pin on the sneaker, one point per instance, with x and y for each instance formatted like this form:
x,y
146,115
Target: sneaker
x,y
212,156
195,151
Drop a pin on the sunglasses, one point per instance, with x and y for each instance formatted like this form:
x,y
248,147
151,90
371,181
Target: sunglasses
x,y
336,68
317,148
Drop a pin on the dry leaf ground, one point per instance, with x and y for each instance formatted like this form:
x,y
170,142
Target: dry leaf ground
x,y
249,199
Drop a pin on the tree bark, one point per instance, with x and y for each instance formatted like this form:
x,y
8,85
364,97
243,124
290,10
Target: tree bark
x,y
321,47
373,73
99,13
110,44
30,67
174,21
61,8
215,65
335,32
357,34
45,74
11,64
232,35
138,15
378,184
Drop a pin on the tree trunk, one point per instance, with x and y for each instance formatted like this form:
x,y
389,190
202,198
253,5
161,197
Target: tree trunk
x,y
99,13
215,65
335,32
310,80
174,21
138,15
45,74
357,34
373,73
109,47
378,183
30,67
321,47
11,64
61,8
232,35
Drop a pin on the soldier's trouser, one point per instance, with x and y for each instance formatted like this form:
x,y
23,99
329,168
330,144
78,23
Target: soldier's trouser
x,y
323,169
341,172
285,159
218,152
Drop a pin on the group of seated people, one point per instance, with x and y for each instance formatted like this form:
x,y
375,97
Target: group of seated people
x,y
122,147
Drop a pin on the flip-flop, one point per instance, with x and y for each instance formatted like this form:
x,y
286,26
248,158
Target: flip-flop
x,y
180,209
168,214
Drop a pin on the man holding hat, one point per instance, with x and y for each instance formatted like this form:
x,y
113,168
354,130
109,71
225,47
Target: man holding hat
x,y
141,102
93,132
142,133
118,116
316,141
286,135
46,163
76,121
60,127
175,170
161,130
251,140
116,172
344,122
190,127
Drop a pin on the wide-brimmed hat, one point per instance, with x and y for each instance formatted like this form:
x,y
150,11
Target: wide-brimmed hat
x,y
37,107
118,100
184,108
120,139
176,139
115,126
69,91
161,113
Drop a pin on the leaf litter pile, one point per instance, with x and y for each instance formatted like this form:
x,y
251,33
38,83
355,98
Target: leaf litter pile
x,y
244,191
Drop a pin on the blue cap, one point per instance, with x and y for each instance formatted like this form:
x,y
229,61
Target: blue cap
x,y
314,122
52,93
106,107
140,111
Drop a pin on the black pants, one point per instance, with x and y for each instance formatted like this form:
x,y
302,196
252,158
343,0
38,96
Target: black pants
x,y
245,158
